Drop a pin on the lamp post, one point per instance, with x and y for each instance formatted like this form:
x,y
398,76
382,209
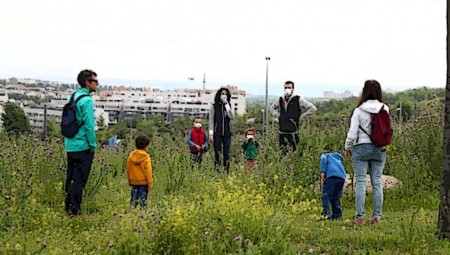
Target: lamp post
x,y
263,119
266,124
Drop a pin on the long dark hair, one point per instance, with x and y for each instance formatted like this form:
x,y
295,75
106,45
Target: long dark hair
x,y
371,90
219,92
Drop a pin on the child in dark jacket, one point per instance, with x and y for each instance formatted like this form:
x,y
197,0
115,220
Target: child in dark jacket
x,y
197,141
332,174
251,149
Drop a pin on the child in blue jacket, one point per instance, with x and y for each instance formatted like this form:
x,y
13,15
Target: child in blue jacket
x,y
332,174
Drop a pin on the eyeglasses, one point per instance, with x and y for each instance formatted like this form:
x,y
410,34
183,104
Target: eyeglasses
x,y
91,80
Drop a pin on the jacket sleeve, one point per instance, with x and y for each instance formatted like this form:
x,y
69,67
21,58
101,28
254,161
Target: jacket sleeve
x,y
149,172
244,145
211,120
189,139
352,133
275,108
206,142
323,163
229,111
89,122
306,107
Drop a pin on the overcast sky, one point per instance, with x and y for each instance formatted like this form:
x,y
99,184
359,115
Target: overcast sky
x,y
318,44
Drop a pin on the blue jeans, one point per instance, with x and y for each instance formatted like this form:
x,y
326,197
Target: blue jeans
x,y
139,192
332,192
368,156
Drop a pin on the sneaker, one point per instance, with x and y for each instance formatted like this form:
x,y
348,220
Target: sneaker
x,y
80,216
376,221
359,221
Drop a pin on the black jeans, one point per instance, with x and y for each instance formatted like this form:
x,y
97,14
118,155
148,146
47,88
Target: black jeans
x,y
218,142
284,139
79,165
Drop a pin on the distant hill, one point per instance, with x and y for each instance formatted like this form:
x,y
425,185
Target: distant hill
x,y
260,99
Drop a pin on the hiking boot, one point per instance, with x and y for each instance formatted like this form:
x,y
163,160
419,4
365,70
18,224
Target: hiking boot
x,y
359,221
376,221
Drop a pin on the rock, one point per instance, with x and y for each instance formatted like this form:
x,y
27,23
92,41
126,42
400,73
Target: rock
x,y
387,181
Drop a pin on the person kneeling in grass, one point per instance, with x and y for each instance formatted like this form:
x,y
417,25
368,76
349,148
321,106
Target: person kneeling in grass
x,y
332,174
139,171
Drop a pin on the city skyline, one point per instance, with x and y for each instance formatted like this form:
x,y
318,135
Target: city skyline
x,y
311,92
320,45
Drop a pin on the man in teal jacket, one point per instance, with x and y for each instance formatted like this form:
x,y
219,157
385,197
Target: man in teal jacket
x,y
81,148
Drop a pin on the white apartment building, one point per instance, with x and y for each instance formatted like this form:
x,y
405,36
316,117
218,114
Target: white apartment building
x,y
331,95
3,100
347,94
126,103
36,117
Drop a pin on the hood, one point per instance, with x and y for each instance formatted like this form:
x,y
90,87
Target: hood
x,y
372,106
289,99
138,156
335,155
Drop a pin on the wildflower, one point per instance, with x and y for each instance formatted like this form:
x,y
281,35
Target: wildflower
x,y
141,216
237,238
206,233
152,234
246,241
111,245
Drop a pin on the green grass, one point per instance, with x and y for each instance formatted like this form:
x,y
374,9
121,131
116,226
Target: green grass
x,y
273,211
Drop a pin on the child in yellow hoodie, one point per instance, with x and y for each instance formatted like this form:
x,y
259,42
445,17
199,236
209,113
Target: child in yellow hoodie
x,y
139,171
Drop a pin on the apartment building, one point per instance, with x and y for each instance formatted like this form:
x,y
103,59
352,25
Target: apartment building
x,y
3,100
126,103
36,117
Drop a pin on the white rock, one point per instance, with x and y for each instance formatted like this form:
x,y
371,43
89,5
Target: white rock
x,y
387,181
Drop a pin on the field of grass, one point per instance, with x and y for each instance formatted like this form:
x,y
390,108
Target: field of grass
x,y
199,211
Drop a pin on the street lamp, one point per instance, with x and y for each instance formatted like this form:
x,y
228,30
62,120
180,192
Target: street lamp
x,y
266,124
262,110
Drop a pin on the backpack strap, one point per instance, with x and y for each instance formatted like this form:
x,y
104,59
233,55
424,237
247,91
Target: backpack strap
x,y
76,101
365,132
78,98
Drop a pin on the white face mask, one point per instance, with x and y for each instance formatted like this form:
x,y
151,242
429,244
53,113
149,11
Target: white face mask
x,y
288,92
249,136
198,125
223,97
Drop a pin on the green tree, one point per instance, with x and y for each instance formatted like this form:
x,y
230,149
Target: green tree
x,y
444,205
147,127
15,120
101,123
54,129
